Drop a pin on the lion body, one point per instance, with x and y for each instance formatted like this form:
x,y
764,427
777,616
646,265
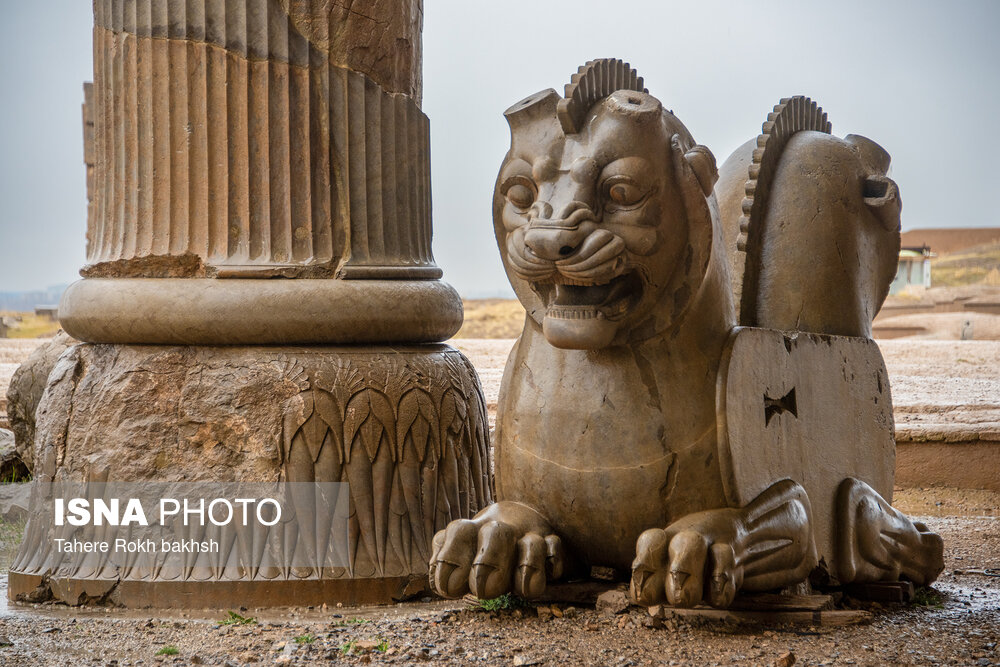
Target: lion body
x,y
610,442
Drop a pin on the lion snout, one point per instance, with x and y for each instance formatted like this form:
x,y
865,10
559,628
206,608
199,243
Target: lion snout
x,y
571,255
553,242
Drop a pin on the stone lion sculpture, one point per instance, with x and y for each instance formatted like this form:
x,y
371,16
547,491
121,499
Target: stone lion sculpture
x,y
695,399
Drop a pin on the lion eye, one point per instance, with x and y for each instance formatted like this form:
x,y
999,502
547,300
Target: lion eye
x,y
623,192
520,191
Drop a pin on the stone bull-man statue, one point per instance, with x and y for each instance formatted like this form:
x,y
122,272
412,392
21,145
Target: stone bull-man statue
x,y
695,396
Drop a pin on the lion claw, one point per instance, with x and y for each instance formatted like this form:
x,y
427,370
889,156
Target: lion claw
x,y
506,548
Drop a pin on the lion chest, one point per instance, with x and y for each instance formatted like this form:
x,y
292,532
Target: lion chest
x,y
595,441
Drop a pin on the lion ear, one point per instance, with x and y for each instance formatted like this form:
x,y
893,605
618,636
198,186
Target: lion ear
x,y
702,163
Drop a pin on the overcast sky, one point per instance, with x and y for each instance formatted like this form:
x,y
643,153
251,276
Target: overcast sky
x,y
920,78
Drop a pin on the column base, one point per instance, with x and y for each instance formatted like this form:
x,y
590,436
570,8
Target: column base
x,y
404,427
214,594
243,311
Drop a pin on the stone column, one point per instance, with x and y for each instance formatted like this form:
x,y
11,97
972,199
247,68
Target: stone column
x,y
258,176
234,142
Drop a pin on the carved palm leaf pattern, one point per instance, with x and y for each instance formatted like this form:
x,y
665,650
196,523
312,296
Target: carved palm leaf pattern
x,y
408,432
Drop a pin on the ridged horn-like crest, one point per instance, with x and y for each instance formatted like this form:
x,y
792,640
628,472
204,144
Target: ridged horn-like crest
x,y
592,83
790,115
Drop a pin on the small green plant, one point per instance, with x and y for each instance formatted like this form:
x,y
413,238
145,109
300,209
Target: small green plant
x,y
928,597
382,646
347,647
307,638
16,474
168,650
237,619
350,621
505,602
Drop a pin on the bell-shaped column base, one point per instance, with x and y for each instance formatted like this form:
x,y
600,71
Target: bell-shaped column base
x,y
404,427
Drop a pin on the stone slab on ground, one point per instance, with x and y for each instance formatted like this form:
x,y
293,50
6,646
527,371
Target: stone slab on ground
x,y
946,405
815,618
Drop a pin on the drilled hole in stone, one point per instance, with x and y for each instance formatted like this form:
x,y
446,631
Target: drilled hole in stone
x,y
876,188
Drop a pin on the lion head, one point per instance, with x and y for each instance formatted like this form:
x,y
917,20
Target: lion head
x,y
603,211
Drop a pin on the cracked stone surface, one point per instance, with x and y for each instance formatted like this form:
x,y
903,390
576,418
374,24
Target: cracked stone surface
x,y
27,384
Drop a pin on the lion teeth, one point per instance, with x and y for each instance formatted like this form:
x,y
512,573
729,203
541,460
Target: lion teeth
x,y
563,280
573,313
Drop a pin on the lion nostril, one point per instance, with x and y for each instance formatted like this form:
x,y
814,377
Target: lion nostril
x,y
565,250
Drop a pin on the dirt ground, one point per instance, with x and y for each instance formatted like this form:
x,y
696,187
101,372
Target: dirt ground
x,y
491,318
958,623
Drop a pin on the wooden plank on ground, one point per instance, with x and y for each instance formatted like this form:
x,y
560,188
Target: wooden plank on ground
x,y
826,618
882,591
781,602
577,592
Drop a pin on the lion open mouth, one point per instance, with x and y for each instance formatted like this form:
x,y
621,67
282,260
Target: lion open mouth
x,y
567,300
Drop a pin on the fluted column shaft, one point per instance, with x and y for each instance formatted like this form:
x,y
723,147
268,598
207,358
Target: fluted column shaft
x,y
232,139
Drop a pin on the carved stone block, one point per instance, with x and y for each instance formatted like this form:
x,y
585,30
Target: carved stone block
x,y
249,140
636,417
808,407
405,427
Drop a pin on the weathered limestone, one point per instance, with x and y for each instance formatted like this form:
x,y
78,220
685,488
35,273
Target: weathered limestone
x,y
262,139
405,426
258,178
854,235
11,465
246,311
25,391
642,424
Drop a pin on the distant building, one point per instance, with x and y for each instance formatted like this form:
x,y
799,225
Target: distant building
x,y
947,240
914,269
49,311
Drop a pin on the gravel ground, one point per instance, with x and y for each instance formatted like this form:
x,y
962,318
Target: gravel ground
x,y
960,625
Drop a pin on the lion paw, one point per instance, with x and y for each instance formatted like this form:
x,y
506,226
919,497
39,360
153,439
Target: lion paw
x,y
879,543
709,556
686,565
506,548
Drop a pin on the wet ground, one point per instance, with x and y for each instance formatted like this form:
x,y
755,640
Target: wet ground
x,y
957,622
